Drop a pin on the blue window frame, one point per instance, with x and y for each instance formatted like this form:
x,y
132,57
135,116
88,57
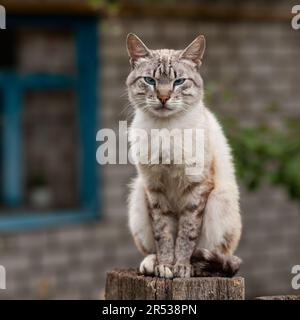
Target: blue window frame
x,y
13,86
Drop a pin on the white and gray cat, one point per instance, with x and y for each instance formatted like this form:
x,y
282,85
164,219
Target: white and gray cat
x,y
185,225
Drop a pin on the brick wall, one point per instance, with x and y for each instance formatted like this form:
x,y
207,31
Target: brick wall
x,y
259,62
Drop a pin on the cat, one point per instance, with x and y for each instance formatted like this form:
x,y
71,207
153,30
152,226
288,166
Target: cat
x,y
185,225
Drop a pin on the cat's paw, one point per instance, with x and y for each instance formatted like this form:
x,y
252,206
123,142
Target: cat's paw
x,y
164,271
183,270
148,264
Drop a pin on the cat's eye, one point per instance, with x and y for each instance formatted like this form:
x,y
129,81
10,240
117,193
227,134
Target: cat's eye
x,y
150,80
178,82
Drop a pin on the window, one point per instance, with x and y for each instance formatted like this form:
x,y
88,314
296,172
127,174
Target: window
x,y
48,103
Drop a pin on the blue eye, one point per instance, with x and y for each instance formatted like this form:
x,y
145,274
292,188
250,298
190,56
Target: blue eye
x,y
150,80
178,82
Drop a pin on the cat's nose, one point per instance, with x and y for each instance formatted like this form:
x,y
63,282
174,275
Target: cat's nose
x,y
163,98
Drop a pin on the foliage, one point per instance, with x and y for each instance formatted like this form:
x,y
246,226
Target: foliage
x,y
265,152
111,6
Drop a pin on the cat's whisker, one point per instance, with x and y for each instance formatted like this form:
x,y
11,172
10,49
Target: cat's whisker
x,y
124,93
129,109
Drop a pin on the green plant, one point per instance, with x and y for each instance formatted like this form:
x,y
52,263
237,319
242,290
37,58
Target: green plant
x,y
263,152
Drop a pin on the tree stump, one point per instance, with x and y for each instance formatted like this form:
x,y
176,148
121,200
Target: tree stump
x,y
130,285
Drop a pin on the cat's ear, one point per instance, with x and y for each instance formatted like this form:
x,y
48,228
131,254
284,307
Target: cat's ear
x,y
194,51
136,48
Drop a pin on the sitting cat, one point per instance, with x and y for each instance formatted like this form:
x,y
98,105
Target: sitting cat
x,y
186,225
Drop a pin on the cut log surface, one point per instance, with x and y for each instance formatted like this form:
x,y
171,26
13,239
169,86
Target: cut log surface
x,y
130,285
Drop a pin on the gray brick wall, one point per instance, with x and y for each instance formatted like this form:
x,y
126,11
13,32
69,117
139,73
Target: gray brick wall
x,y
259,62
67,262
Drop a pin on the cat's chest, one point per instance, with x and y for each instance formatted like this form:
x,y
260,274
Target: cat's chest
x,y
170,178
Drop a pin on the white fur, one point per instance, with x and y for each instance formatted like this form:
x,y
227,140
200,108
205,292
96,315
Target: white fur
x,y
148,264
221,215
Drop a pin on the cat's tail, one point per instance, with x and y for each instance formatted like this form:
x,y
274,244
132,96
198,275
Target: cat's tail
x,y
214,264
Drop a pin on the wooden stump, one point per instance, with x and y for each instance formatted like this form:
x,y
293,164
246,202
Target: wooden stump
x,y
130,285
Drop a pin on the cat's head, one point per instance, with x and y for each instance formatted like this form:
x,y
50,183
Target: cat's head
x,y
164,82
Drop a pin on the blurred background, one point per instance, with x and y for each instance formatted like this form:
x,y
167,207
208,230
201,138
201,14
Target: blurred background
x,y
63,66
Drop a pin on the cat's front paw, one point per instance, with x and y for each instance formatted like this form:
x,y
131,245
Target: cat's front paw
x,y
164,271
147,266
183,270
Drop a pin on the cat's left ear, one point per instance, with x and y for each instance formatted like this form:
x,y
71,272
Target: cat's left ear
x,y
136,48
194,51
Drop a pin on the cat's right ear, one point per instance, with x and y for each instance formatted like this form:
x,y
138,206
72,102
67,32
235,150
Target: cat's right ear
x,y
195,51
136,48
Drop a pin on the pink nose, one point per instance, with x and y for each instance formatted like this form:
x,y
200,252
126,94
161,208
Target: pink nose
x,y
163,99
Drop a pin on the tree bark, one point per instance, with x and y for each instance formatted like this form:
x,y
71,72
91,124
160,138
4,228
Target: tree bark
x,y
130,285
